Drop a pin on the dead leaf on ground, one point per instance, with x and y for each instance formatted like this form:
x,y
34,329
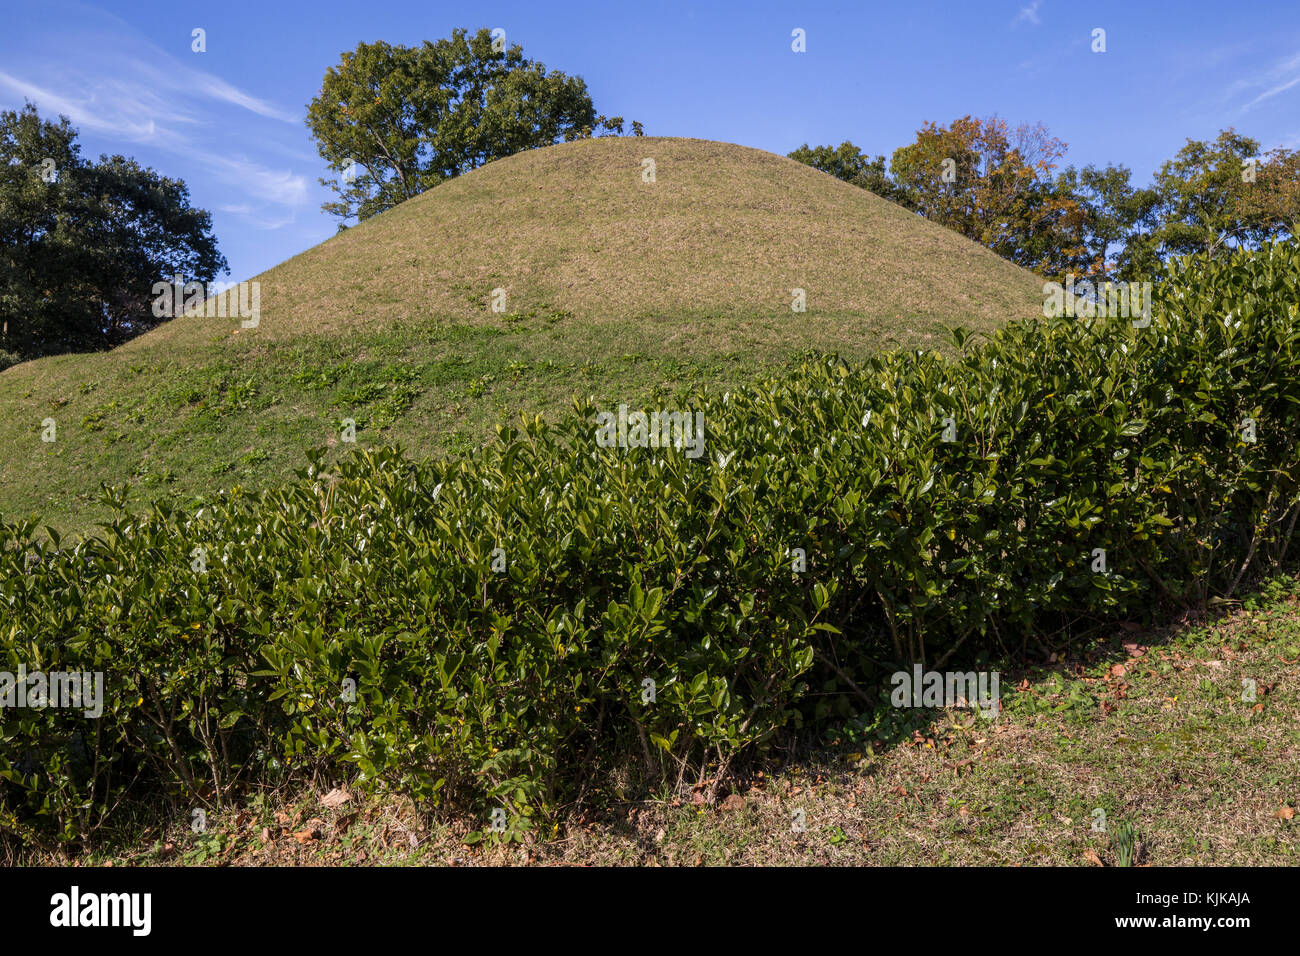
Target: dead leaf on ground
x,y
1092,857
335,798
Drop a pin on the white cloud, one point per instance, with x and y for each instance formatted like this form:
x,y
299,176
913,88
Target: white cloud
x,y
1278,78
105,110
121,110
270,185
184,79
127,91
1029,13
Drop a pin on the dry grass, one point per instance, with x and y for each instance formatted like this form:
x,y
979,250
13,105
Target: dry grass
x,y
724,230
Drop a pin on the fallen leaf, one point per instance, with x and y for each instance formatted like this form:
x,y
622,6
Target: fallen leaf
x,y
1092,857
335,798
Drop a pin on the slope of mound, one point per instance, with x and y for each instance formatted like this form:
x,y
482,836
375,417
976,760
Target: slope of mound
x,y
613,285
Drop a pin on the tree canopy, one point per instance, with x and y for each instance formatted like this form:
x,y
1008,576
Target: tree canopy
x,y
82,243
850,164
1000,187
394,121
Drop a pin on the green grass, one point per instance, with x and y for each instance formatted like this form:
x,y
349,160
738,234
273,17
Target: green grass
x,y
616,288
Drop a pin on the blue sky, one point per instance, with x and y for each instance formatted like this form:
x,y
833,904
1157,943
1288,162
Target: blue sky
x,y
229,121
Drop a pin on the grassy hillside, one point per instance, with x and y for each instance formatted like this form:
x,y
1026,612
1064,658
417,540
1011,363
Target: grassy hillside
x,y
615,287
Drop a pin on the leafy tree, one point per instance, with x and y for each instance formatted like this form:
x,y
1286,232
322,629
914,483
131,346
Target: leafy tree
x,y
850,164
1212,198
396,120
1204,201
1276,201
994,185
81,244
1115,216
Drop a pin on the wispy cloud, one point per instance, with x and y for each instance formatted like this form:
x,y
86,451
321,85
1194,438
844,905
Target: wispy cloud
x,y
249,215
130,92
258,181
109,109
184,79
1276,79
1029,14
121,111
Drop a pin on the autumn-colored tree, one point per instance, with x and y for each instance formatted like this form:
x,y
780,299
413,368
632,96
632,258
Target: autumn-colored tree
x,y
994,185
1276,200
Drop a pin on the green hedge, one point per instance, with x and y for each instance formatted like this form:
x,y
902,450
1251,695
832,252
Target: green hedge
x,y
526,687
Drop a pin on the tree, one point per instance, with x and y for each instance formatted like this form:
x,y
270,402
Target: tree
x,y
1115,216
396,120
82,244
850,164
1275,204
1204,200
994,185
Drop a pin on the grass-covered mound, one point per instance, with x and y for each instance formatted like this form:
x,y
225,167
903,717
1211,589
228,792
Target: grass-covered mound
x,y
484,630
615,287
